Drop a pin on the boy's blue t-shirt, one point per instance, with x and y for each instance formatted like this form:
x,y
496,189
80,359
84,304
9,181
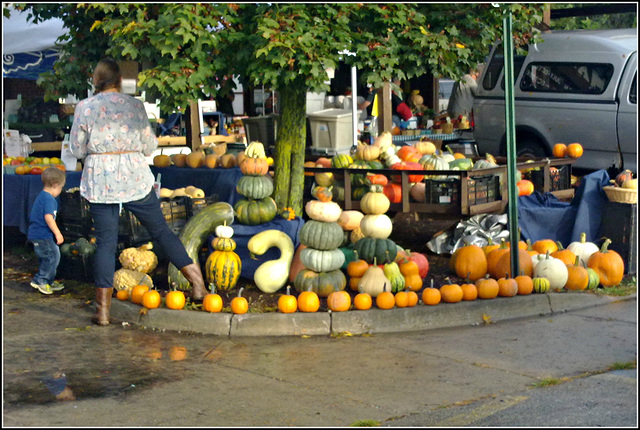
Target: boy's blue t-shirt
x,y
45,204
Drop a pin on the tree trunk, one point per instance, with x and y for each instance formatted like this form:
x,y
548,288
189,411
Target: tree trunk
x,y
290,147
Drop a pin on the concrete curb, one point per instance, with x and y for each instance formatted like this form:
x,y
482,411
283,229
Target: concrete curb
x,y
419,317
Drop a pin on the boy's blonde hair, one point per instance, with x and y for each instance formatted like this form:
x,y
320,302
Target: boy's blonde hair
x,y
53,176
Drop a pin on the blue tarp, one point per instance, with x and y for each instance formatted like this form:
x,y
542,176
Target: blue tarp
x,y
544,216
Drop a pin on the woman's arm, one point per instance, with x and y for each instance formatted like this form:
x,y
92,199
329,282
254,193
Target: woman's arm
x,y
79,136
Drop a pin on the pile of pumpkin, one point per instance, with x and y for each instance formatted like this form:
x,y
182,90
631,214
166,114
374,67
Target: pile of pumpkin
x,y
544,265
207,156
383,154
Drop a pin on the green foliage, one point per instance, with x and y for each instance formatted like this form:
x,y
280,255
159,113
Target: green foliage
x,y
595,22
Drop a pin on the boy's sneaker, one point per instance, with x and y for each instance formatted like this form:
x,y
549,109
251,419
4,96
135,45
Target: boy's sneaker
x,y
56,286
44,289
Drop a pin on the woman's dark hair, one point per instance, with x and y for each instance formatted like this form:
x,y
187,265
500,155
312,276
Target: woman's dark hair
x,y
106,75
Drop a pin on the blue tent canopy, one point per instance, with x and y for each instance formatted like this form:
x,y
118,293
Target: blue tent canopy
x,y
29,49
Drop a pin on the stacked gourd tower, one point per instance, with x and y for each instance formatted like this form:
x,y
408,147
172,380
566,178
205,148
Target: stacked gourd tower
x,y
257,186
375,247
322,236
223,265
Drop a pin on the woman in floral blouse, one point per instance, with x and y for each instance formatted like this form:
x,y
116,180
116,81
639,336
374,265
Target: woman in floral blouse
x,y
112,133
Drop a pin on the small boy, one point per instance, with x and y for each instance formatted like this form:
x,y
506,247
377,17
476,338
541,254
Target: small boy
x,y
44,233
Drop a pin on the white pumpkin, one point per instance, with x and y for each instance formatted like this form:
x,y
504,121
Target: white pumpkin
x,y
554,270
374,282
583,249
224,231
378,226
323,211
392,159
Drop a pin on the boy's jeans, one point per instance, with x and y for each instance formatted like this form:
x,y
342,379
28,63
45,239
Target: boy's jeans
x,y
48,254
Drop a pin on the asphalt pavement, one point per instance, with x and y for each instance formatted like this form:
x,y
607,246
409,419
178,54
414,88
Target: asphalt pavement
x,y
481,363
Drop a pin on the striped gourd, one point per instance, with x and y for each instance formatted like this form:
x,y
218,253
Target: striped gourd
x,y
222,269
254,212
541,285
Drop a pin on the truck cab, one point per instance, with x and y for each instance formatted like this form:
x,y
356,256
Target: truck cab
x,y
574,86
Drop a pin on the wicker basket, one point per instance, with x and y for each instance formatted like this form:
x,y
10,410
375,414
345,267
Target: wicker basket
x,y
621,195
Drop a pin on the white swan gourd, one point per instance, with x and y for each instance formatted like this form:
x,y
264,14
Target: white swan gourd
x,y
274,274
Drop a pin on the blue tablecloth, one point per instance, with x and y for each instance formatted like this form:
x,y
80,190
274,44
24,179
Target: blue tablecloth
x,y
18,194
242,234
20,191
543,216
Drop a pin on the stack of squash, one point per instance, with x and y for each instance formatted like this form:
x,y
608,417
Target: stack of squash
x,y
321,236
223,265
256,185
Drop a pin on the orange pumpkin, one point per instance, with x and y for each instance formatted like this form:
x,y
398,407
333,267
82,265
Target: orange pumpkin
x,y
544,245
239,304
308,301
578,278
175,300
212,303
137,292
608,264
575,150
122,295
470,261
494,256
565,255
151,299
401,299
490,246
339,301
469,291
559,151
502,268
532,252
451,293
412,298
385,300
408,153
507,287
287,303
431,296
362,301
487,288
525,284
254,166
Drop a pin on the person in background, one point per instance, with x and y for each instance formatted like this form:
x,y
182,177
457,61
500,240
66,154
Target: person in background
x,y
44,234
461,100
112,133
400,110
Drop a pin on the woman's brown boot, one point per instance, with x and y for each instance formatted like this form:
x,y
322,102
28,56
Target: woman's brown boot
x,y
194,276
103,306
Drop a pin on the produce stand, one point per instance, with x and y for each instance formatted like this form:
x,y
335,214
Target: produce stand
x,y
470,192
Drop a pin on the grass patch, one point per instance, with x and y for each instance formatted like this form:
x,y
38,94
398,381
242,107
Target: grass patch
x,y
547,382
365,423
623,366
629,285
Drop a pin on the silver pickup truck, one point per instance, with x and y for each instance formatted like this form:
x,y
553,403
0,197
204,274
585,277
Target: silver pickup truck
x,y
575,86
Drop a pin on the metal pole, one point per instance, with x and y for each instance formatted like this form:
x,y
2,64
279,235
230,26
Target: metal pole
x,y
511,143
354,105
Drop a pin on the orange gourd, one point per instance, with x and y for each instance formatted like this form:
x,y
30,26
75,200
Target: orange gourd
x,y
578,278
362,301
565,255
412,298
401,299
494,256
287,303
411,273
487,288
507,287
502,268
137,292
239,304
532,252
175,300
559,151
308,301
470,261
608,264
490,246
339,301
525,284
544,245
212,302
353,283
122,295
469,291
575,150
151,299
357,267
450,292
386,299
431,296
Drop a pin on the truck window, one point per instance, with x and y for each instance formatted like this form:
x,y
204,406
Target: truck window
x,y
575,78
633,91
497,63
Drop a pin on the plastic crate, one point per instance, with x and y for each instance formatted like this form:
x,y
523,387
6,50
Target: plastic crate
x,y
560,178
197,204
79,268
442,191
483,189
73,207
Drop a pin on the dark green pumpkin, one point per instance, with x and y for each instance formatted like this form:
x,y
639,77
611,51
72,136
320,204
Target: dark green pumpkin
x,y
375,164
321,235
254,212
358,193
341,161
349,255
255,187
382,250
322,283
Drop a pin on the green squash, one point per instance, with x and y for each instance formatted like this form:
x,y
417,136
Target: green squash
x,y
375,164
195,232
541,285
461,164
255,187
222,269
594,279
395,277
254,212
349,255
322,261
323,283
341,161
382,250
321,235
